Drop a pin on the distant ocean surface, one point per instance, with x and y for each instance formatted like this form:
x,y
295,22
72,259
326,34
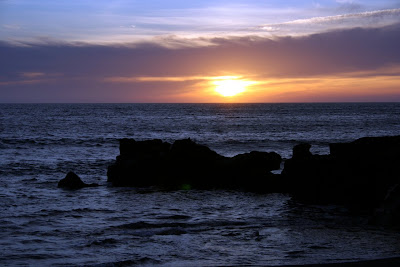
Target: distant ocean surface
x,y
105,226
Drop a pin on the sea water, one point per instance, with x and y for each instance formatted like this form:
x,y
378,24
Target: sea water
x,y
107,226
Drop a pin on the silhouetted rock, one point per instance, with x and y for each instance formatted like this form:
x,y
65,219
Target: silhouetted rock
x,y
140,163
364,174
72,181
302,151
357,174
129,148
259,162
186,164
252,171
388,214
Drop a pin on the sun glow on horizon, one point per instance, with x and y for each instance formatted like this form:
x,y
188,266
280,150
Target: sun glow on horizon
x,y
228,86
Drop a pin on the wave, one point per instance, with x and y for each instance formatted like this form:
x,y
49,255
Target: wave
x,y
51,141
140,261
205,224
175,217
103,242
33,168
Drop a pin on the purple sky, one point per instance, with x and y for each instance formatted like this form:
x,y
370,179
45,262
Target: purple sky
x,y
332,51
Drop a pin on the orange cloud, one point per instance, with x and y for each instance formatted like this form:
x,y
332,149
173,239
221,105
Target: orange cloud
x,y
32,74
26,78
168,79
347,86
325,89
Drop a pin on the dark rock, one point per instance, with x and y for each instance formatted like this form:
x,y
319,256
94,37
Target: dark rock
x,y
186,164
140,163
375,147
193,165
388,214
252,171
357,174
302,151
129,148
187,148
258,161
72,181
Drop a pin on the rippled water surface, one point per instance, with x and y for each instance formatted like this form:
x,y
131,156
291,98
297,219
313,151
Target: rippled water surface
x,y
43,225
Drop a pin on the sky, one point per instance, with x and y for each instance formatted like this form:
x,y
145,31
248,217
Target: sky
x,y
199,51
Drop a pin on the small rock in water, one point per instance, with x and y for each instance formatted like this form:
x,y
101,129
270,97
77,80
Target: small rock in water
x,y
72,181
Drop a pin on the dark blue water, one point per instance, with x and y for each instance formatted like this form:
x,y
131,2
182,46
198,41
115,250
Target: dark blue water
x,y
43,225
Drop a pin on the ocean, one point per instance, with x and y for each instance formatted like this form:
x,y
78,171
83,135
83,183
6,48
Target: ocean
x,y
41,224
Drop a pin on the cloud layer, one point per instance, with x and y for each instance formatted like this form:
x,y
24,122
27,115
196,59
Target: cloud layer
x,y
377,18
287,68
104,22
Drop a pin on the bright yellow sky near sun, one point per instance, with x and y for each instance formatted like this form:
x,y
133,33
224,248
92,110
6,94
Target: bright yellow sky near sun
x,y
241,89
248,88
229,86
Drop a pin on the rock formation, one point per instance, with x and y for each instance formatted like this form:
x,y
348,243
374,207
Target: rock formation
x,y
185,164
358,174
72,181
388,213
364,174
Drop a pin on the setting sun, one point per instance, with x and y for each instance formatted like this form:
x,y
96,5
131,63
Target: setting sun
x,y
231,87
